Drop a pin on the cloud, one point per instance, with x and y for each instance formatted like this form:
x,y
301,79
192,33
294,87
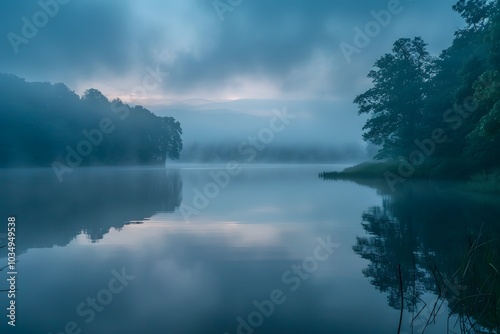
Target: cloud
x,y
262,49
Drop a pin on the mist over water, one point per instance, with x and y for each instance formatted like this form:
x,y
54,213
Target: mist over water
x,y
205,274
244,167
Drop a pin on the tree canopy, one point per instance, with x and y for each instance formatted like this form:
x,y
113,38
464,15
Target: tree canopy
x,y
41,123
457,94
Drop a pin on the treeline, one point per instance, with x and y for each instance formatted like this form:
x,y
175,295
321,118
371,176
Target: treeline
x,y
42,124
440,115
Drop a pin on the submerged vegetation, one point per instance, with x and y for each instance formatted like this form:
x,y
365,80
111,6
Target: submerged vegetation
x,y
446,244
471,291
478,304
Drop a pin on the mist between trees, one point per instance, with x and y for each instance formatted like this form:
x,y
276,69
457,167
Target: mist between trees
x,y
49,125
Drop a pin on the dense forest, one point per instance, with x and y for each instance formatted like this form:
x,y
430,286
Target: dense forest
x,y
49,125
439,116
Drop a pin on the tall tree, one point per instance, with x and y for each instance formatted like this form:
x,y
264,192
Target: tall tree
x,y
489,125
476,13
395,103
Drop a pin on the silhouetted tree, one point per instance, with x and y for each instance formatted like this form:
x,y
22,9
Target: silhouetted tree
x,y
395,103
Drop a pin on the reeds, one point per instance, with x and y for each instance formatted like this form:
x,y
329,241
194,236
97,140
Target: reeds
x,y
472,291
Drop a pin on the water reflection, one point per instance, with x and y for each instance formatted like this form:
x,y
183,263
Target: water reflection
x,y
200,277
90,201
189,278
446,244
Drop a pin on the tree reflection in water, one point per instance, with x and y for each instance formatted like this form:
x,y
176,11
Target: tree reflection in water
x,y
446,244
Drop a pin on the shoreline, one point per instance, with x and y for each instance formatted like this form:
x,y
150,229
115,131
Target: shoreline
x,y
485,182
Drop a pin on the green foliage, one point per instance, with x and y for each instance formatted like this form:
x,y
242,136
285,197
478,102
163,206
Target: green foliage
x,y
458,92
489,124
395,103
485,182
371,170
474,12
38,121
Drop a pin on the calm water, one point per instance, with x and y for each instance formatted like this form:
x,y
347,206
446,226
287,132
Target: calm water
x,y
273,249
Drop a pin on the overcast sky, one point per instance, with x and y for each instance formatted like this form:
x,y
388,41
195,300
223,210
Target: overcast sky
x,y
285,50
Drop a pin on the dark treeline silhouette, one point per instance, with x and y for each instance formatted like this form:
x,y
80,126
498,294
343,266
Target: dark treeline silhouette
x,y
42,123
440,114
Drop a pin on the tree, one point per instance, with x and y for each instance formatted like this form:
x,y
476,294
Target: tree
x,y
41,123
475,12
483,141
395,102
94,95
489,124
457,93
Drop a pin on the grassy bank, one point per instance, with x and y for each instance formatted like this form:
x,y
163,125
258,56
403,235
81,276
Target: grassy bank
x,y
365,170
485,182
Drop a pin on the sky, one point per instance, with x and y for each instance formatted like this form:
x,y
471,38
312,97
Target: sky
x,y
181,57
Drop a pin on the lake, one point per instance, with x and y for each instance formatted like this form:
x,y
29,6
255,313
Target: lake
x,y
218,249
